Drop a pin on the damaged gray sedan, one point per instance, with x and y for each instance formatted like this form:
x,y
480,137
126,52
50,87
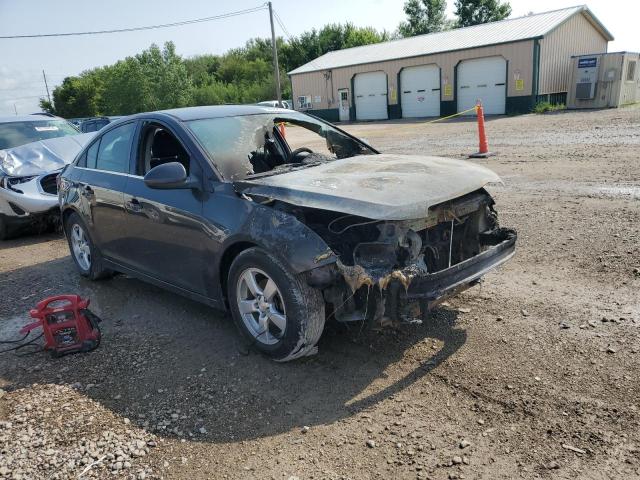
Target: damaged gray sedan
x,y
33,150
280,217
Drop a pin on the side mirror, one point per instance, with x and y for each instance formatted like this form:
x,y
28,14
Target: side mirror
x,y
168,175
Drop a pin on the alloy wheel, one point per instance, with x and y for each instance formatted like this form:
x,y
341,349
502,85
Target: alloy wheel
x,y
261,306
80,246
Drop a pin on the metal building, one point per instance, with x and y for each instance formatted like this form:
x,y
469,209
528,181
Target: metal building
x,y
604,80
509,65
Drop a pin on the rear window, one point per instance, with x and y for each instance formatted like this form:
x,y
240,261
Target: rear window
x,y
15,134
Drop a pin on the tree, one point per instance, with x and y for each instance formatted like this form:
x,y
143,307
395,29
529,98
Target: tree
x,y
47,106
475,12
423,16
158,78
77,96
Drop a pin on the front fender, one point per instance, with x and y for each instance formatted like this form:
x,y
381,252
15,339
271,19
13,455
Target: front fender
x,y
286,237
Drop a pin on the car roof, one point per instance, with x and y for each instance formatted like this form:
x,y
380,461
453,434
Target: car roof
x,y
217,111
28,118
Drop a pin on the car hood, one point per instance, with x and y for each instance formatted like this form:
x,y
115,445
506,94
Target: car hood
x,y
380,187
42,156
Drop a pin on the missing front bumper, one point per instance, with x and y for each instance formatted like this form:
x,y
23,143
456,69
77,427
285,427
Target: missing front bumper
x,y
439,284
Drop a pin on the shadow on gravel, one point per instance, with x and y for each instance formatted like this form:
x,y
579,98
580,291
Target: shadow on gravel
x,y
173,366
26,239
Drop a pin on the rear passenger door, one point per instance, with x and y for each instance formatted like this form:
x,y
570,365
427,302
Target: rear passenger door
x,y
102,186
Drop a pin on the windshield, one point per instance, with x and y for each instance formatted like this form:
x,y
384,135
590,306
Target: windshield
x,y
268,144
15,134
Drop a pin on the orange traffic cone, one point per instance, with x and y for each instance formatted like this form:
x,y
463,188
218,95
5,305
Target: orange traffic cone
x,y
483,151
281,128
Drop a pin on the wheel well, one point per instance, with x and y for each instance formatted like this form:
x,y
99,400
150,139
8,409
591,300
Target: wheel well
x,y
227,259
65,215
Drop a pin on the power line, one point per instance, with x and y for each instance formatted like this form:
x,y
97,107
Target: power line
x,y
284,29
149,27
291,39
21,98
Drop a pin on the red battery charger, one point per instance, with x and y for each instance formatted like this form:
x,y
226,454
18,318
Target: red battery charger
x,y
68,326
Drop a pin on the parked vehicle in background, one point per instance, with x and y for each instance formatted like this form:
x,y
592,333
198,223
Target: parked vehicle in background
x,y
274,104
219,204
19,130
96,123
33,149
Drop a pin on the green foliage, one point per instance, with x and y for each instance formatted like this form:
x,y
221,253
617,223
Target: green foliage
x,y
423,16
543,107
159,78
46,105
475,12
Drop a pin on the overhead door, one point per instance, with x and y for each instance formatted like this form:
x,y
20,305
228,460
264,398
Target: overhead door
x,y
483,79
370,91
420,91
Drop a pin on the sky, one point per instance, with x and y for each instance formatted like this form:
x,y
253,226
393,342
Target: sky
x,y
22,60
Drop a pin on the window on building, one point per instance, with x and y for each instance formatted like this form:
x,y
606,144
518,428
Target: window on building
x,y
304,102
631,71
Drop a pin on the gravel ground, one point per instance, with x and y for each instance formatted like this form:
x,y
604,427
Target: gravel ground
x,y
534,374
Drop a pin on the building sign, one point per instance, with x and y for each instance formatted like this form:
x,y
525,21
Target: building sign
x,y
448,90
317,99
587,62
519,84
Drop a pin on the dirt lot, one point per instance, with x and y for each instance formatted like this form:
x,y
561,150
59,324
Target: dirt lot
x,y
533,374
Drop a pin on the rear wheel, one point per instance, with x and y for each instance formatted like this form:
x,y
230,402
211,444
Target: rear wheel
x,y
274,308
85,254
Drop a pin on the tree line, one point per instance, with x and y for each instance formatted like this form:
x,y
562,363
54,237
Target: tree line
x,y
159,78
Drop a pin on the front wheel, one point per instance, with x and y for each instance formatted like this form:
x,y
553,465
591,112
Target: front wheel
x,y
85,254
274,308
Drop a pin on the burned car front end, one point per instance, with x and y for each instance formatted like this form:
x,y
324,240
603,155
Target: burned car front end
x,y
398,228
384,265
28,185
341,230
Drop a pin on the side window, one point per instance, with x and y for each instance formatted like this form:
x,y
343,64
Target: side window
x,y
92,155
157,146
115,147
300,137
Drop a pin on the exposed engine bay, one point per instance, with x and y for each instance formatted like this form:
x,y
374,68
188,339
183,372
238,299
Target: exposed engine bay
x,y
378,260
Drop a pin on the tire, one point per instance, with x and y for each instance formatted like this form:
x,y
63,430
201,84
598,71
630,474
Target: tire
x,y
289,296
4,229
89,263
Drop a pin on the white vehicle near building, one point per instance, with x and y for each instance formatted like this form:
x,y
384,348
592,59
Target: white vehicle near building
x,y
33,149
274,104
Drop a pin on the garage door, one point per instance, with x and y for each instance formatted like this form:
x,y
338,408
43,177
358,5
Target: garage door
x,y
420,91
484,79
370,90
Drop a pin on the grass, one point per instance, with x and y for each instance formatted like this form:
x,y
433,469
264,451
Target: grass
x,y
543,107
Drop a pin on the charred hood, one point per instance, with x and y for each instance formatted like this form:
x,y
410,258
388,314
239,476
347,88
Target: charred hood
x,y
381,187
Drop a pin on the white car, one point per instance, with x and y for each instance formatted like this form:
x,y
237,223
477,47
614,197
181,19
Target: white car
x,y
274,103
33,149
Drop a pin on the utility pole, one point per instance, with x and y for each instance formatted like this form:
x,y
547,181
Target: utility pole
x,y
275,57
15,109
46,86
